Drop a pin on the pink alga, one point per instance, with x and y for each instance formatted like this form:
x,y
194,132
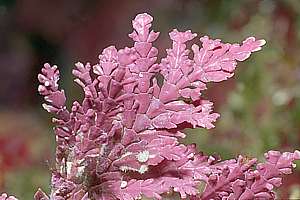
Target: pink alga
x,y
121,141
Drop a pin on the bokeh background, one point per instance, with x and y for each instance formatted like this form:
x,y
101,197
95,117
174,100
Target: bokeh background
x,y
259,106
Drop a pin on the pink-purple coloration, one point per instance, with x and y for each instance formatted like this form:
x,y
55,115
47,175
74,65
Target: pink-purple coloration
x,y
4,196
121,141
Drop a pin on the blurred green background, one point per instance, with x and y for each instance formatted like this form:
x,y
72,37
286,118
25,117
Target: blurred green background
x,y
259,106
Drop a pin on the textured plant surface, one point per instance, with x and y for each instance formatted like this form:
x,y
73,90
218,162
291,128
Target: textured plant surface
x,y
122,140
4,196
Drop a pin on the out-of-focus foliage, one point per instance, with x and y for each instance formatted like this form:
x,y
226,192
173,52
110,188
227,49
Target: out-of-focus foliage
x,y
23,154
295,192
260,108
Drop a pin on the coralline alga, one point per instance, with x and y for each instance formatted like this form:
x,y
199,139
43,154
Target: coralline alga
x,y
122,140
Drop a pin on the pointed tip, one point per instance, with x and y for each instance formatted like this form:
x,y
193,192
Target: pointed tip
x,y
262,42
297,155
143,17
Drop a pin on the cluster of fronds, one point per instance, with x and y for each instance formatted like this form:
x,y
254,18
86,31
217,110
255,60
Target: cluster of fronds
x,y
121,141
